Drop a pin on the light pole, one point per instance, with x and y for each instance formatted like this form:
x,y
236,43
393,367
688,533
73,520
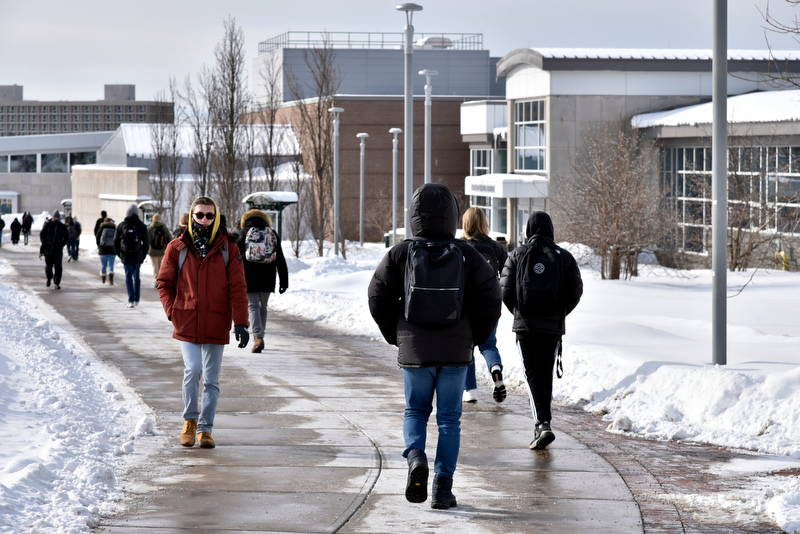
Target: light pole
x,y
361,136
394,131
428,90
336,112
408,145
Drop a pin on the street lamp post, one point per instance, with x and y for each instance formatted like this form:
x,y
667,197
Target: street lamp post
x,y
394,131
408,146
336,112
361,136
428,90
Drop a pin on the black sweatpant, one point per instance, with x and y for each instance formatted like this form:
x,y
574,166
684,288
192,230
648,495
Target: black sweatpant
x,y
53,262
539,357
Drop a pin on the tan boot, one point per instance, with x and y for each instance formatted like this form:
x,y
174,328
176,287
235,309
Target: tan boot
x,y
258,344
206,441
189,429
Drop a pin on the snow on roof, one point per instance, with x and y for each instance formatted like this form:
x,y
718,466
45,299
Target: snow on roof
x,y
138,139
767,106
664,53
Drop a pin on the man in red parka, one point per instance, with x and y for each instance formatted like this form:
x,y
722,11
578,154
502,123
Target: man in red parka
x,y
202,288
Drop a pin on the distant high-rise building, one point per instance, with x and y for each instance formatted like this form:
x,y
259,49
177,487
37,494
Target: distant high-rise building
x,y
119,105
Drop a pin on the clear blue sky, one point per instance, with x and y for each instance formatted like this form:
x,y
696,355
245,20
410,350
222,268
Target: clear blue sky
x,y
68,50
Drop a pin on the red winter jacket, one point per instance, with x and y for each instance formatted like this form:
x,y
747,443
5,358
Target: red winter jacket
x,y
202,302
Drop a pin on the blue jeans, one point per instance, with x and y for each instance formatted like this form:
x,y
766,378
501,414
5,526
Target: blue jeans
x,y
132,281
420,385
490,354
201,362
107,263
72,248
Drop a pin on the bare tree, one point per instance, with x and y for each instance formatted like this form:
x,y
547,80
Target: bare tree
x,y
612,202
165,142
272,137
297,222
198,102
231,101
314,126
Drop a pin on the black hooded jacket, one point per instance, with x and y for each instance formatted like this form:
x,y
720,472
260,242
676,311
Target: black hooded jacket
x,y
261,276
434,216
132,220
540,230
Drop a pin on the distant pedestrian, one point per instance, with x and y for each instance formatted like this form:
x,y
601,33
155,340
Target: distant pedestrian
x,y
434,351
202,288
54,238
130,244
104,238
72,242
2,226
541,285
183,222
159,236
78,242
16,227
476,232
27,223
260,275
100,220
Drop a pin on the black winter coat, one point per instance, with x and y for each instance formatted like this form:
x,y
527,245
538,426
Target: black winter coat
x,y
484,243
434,216
15,226
540,229
54,238
260,277
137,257
27,222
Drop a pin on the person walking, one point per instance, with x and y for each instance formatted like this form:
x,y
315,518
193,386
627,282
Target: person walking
x,y
72,241
79,228
54,238
104,238
130,244
260,272
100,220
476,233
16,227
183,222
202,288
27,223
159,236
434,351
2,226
541,285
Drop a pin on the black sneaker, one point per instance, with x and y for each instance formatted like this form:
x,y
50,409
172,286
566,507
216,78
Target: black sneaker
x,y
48,282
499,392
542,437
58,286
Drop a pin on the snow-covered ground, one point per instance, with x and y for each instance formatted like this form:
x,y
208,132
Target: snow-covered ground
x,y
636,351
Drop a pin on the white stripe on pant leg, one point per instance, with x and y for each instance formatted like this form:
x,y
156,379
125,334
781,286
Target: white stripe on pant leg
x,y
530,392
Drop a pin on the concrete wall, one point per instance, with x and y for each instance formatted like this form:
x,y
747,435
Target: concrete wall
x,y
38,192
91,181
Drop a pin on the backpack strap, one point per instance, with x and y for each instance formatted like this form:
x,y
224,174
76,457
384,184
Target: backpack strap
x,y
185,251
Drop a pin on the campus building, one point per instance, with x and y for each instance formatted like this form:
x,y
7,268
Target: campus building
x,y
522,149
34,117
371,70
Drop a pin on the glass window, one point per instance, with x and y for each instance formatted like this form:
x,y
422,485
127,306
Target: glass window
x,y
481,162
82,158
24,163
3,160
54,162
530,142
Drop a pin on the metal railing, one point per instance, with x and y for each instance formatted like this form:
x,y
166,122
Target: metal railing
x,y
371,40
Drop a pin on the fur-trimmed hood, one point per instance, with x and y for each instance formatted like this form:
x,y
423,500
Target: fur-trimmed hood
x,y
255,214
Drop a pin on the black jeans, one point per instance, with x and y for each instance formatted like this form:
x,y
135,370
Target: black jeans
x,y
538,352
53,266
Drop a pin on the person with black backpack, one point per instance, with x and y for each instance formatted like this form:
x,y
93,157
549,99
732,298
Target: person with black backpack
x,y
104,237
159,236
261,250
541,285
27,222
72,242
435,297
476,233
54,237
131,243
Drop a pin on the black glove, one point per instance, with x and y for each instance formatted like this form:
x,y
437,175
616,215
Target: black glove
x,y
241,335
282,289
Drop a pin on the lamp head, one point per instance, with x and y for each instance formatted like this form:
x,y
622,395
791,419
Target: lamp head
x,y
362,135
395,131
428,72
409,10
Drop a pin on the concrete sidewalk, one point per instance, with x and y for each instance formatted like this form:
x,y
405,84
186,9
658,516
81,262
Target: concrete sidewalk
x,y
309,435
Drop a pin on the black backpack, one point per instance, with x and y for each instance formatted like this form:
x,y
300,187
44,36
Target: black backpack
x,y
159,238
434,283
539,281
72,231
107,236
488,252
129,242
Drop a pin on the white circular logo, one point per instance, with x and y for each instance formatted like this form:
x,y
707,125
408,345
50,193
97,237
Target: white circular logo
x,y
538,268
